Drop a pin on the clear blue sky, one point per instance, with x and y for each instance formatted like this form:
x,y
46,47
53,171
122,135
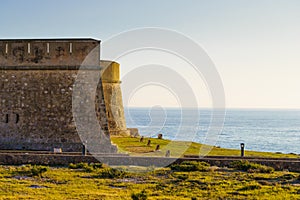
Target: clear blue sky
x,y
255,44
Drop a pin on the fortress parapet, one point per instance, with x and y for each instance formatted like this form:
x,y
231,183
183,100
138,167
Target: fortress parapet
x,y
46,54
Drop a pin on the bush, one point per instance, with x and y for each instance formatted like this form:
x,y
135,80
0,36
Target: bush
x,y
38,170
111,173
35,170
287,177
188,166
97,165
85,166
139,196
250,187
251,167
162,172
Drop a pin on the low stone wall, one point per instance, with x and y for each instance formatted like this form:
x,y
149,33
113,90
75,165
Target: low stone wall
x,y
277,164
40,159
124,159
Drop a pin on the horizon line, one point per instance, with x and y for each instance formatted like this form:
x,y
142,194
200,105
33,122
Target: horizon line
x,y
226,108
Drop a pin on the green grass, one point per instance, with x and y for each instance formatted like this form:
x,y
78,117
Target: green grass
x,y
189,180
164,183
133,146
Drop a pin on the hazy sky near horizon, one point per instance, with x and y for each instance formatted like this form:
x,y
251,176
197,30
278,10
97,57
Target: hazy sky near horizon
x,y
255,44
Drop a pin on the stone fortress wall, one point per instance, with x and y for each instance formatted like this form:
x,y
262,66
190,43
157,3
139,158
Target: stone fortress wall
x,y
37,78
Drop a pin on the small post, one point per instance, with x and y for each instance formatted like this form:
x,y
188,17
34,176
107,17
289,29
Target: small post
x,y
242,149
142,139
157,147
149,143
84,148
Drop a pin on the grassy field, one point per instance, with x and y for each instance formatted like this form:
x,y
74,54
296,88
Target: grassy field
x,y
189,180
133,146
175,182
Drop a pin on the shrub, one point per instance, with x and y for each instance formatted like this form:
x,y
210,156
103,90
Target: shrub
x,y
182,176
34,170
76,166
139,196
251,167
38,170
97,165
85,166
162,172
188,166
250,187
111,173
287,177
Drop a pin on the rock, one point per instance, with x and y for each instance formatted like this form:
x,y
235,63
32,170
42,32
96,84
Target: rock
x,y
134,132
36,186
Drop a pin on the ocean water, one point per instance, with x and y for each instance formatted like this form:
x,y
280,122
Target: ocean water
x,y
260,130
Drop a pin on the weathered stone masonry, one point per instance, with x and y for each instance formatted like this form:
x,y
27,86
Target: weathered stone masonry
x,y
113,98
37,78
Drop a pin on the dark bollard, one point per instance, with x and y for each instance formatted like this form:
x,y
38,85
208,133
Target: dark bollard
x,y
157,147
242,149
142,139
84,150
149,143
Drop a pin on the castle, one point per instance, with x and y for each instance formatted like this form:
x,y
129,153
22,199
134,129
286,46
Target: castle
x,y
37,83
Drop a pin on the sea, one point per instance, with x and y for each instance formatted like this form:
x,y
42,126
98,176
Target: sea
x,y
268,130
